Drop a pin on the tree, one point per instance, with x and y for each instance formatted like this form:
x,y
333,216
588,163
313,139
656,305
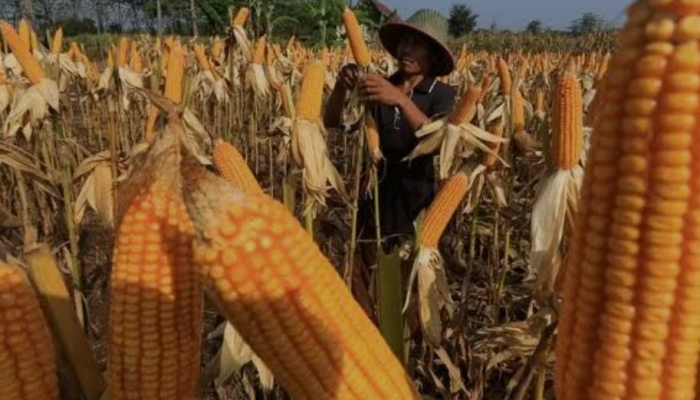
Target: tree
x,y
534,27
587,24
462,20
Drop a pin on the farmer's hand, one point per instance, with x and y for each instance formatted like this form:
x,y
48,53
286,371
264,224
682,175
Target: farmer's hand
x,y
377,89
348,76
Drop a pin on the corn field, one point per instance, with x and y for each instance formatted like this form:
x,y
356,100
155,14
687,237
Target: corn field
x,y
176,222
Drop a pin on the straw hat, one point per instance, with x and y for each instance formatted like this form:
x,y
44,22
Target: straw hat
x,y
391,34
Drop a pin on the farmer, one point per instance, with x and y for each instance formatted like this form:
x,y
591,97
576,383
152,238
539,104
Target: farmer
x,y
400,105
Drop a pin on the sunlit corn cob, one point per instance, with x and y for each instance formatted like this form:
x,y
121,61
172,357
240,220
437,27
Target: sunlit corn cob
x,y
504,74
176,71
630,323
201,57
34,41
234,168
57,43
155,317
372,136
518,111
241,17
466,107
310,98
270,279
567,123
442,209
217,48
30,66
498,129
135,61
356,38
25,33
123,52
260,47
27,360
603,67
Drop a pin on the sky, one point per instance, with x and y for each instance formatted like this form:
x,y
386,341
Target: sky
x,y
515,14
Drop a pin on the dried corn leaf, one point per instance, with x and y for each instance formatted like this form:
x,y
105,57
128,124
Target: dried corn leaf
x,y
547,225
35,102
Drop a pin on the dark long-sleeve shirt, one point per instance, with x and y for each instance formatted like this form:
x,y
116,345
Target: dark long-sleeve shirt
x,y
405,188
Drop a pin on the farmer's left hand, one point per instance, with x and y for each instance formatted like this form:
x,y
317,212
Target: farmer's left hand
x,y
376,88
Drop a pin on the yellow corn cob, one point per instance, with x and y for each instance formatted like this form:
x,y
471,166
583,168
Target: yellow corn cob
x,y
73,51
603,67
310,98
241,17
372,136
259,55
201,57
234,168
27,362
155,317
504,74
269,278
466,108
123,52
30,66
135,61
110,57
567,123
518,111
442,209
498,129
24,32
217,48
356,38
630,323
34,41
57,43
176,70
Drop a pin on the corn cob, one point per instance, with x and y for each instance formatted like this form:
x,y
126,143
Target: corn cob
x,y
466,108
135,61
603,67
201,57
123,52
504,74
270,279
30,66
241,17
259,55
176,71
310,97
518,111
155,318
372,135
217,48
34,41
567,123
234,168
25,34
356,38
498,129
630,324
442,209
57,43
27,363
110,57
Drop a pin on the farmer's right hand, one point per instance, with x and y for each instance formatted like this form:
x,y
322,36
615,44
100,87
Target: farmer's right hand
x,y
348,76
